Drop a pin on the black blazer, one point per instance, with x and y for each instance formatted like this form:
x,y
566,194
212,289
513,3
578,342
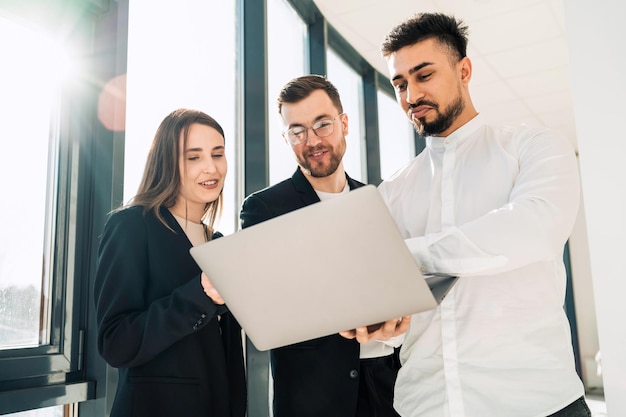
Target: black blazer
x,y
156,324
319,377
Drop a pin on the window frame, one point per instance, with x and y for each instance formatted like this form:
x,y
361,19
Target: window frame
x,y
65,371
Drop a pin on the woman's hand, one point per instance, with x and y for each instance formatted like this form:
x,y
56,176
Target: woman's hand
x,y
210,290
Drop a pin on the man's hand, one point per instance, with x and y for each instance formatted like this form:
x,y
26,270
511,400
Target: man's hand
x,y
210,290
386,331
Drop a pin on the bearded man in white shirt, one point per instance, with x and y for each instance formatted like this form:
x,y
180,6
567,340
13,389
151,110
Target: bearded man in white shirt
x,y
494,205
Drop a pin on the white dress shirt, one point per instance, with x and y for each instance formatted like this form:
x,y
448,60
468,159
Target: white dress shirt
x,y
494,205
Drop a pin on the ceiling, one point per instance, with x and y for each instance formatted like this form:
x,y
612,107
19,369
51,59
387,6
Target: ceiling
x,y
518,49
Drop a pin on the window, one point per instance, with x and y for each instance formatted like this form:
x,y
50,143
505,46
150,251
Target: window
x,y
182,66
28,104
350,86
286,59
57,411
45,241
397,144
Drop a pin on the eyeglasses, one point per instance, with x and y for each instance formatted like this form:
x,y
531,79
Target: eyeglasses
x,y
321,128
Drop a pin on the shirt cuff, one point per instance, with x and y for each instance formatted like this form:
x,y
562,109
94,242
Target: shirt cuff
x,y
419,249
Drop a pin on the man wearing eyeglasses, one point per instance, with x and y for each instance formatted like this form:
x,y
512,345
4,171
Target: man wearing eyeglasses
x,y
330,376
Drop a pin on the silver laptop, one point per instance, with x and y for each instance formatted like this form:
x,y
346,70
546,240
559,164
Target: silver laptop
x,y
328,267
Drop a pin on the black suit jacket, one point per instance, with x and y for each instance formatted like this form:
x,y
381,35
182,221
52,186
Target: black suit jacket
x,y
319,377
156,324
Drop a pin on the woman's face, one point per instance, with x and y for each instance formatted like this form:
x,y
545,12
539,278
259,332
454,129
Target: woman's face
x,y
202,167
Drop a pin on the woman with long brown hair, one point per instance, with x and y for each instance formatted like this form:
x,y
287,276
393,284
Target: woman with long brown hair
x,y
160,320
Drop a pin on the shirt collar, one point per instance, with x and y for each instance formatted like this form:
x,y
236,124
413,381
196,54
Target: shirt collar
x,y
439,142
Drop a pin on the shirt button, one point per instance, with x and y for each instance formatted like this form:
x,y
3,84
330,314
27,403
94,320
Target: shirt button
x,y
354,374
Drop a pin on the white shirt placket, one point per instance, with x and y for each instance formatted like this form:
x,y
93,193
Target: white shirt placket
x,y
448,306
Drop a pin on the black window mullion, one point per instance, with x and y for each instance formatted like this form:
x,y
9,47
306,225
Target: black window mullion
x,y
372,140
256,164
318,43
256,145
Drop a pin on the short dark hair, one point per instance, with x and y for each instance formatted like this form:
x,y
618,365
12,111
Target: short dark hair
x,y
448,30
301,87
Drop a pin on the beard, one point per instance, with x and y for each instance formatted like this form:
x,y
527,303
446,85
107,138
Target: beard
x,y
320,169
443,120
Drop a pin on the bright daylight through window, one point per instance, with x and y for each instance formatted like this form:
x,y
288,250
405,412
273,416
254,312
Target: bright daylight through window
x,y
30,76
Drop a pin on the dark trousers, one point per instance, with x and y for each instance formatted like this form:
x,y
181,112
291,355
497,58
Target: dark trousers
x,y
578,408
376,381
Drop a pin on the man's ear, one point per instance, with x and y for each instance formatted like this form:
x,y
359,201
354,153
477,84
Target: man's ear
x,y
465,66
344,124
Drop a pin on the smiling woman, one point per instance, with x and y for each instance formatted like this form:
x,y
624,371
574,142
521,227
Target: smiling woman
x,y
157,313
203,169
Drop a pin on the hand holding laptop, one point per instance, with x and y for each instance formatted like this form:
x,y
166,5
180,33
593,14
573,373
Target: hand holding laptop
x,y
372,277
210,290
380,331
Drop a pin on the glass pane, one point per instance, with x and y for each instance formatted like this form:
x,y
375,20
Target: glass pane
x,y
192,64
29,82
397,143
56,411
350,86
287,48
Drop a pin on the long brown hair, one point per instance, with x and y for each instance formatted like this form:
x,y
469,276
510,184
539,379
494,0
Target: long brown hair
x,y
161,182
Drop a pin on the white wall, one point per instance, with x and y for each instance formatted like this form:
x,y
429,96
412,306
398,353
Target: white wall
x,y
586,321
598,62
